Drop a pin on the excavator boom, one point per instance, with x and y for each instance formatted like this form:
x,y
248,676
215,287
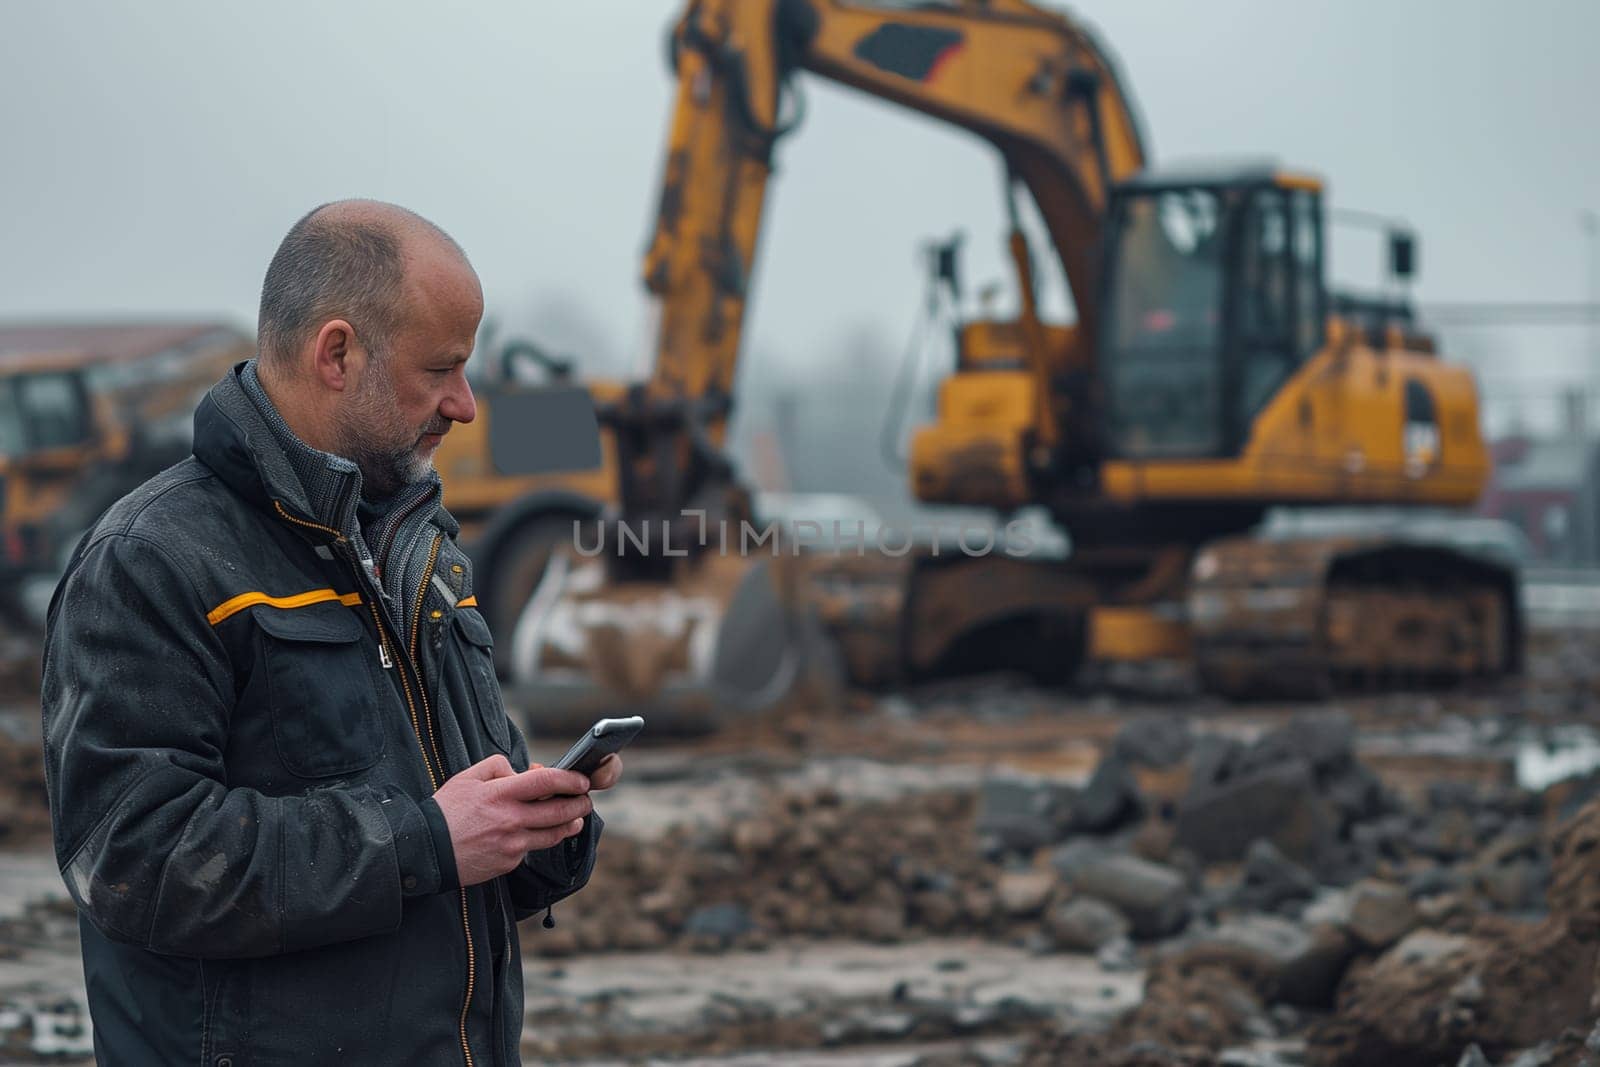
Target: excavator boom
x,y
1029,81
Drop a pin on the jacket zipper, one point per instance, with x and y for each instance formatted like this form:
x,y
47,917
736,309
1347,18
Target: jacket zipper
x,y
433,779
422,691
422,591
416,625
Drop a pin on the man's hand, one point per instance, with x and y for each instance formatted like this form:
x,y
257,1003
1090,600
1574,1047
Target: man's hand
x,y
497,816
607,774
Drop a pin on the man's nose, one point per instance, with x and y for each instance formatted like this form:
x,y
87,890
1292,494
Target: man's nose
x,y
459,404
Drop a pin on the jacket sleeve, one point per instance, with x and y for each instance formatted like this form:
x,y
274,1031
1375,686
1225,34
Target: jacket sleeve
x,y
551,874
154,846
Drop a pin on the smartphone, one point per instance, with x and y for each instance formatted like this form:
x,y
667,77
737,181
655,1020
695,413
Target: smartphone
x,y
603,738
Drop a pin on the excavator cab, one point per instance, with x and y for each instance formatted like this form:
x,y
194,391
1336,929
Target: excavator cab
x,y
1214,297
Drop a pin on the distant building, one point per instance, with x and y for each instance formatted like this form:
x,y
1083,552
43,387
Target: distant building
x,y
1549,488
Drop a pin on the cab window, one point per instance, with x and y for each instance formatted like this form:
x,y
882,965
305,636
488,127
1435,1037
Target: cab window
x,y
13,432
52,406
1265,302
1306,237
1279,320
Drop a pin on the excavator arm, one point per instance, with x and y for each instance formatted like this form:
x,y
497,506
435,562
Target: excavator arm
x,y
1031,82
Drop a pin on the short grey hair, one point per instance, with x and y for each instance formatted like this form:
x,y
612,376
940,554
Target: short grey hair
x,y
333,266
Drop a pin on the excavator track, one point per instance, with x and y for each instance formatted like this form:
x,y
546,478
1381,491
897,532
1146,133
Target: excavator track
x,y
1302,617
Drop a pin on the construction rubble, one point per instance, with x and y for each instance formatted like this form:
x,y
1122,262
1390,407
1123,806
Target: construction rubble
x,y
1000,875
1269,890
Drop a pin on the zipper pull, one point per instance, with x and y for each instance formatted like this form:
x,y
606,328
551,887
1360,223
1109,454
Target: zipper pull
x,y
383,655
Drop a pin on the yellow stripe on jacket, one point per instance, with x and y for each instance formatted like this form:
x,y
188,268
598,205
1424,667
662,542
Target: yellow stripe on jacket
x,y
234,605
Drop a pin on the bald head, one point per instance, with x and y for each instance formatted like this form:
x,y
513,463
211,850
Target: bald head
x,y
345,260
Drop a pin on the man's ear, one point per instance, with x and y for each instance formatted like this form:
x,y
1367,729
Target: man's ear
x,y
337,356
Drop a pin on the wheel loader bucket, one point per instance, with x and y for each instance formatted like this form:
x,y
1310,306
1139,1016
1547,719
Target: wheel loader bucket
x,y
720,639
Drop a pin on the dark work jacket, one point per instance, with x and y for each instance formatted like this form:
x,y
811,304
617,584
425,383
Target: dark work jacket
x,y
241,752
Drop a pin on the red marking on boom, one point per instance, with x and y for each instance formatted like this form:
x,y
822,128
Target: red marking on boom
x,y
939,60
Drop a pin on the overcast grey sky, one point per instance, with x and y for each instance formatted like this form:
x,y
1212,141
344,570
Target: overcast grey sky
x,y
153,154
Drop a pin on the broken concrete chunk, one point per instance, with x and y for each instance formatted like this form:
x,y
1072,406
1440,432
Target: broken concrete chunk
x,y
1282,959
1155,898
1271,879
1331,907
1215,757
1154,740
1355,792
1324,739
1025,893
1021,814
1218,820
1381,913
1110,800
1084,924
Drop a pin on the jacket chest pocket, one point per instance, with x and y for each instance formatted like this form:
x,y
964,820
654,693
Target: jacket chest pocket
x,y
323,688
476,646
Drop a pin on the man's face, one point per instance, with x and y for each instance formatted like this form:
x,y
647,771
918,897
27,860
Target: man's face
x,y
393,419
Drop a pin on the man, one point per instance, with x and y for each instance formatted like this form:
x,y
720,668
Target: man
x,y
287,800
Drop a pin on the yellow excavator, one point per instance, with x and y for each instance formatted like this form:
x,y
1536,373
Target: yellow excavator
x,y
87,412
1210,376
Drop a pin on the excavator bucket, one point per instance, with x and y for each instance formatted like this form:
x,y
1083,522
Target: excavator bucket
x,y
725,637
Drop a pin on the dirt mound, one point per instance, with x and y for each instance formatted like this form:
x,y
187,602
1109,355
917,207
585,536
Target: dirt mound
x,y
1504,985
808,866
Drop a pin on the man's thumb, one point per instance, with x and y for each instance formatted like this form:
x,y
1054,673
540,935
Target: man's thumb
x,y
496,766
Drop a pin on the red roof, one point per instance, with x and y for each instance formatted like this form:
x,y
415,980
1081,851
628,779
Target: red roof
x,y
107,342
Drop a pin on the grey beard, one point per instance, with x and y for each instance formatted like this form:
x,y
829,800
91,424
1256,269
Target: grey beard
x,y
385,472
385,469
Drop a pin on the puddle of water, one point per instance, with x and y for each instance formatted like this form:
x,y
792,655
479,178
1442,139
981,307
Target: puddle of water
x,y
1541,764
60,1028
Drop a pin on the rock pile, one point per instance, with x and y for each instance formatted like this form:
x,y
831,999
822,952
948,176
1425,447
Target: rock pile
x,y
1269,888
1413,934
1503,989
1035,861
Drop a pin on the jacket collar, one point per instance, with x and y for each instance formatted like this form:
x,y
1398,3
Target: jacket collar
x,y
233,438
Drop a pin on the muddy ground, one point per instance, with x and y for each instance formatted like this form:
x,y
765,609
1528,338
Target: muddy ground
x,y
987,873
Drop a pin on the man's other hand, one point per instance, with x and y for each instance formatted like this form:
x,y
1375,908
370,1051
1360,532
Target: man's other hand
x,y
497,816
608,774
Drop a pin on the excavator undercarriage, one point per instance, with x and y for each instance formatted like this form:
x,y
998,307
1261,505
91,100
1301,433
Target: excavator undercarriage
x,y
1298,618
1254,617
